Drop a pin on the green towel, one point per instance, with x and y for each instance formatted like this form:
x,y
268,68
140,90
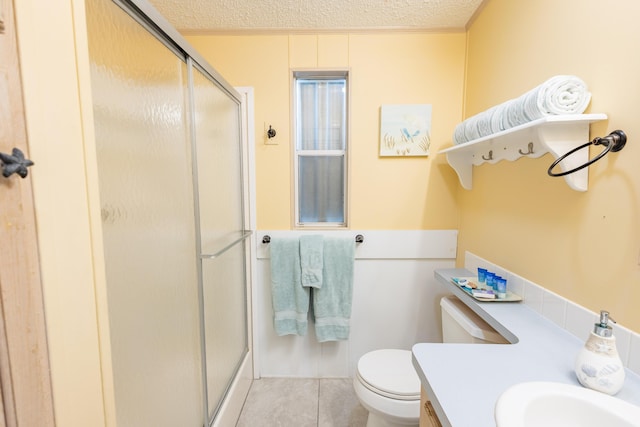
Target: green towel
x,y
332,302
290,299
311,260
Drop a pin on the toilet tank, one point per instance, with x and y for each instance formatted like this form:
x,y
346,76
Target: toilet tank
x,y
461,325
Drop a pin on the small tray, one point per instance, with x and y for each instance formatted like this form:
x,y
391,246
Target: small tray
x,y
511,297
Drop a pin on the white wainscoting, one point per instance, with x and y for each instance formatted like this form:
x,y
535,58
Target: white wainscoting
x,y
395,303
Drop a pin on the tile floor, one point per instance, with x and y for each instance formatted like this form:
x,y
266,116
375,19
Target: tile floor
x,y
294,402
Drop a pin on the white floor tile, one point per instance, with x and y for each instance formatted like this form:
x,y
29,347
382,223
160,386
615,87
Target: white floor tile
x,y
294,402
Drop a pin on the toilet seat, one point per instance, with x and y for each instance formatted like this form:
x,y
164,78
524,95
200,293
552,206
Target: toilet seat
x,y
389,373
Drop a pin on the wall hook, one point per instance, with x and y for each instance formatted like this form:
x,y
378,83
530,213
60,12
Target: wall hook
x,y
529,148
15,163
490,157
271,132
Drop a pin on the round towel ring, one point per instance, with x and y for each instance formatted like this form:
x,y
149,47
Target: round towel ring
x,y
614,142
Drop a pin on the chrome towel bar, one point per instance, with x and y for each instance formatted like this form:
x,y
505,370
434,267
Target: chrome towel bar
x,y
266,238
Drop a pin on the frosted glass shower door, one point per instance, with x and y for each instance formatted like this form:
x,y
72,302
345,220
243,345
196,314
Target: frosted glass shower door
x,y
139,89
222,234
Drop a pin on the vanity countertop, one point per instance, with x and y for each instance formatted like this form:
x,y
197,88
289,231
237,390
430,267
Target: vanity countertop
x,y
464,381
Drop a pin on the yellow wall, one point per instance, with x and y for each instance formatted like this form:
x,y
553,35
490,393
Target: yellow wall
x,y
52,45
583,246
386,68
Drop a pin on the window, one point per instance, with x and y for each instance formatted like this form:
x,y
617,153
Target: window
x,y
320,122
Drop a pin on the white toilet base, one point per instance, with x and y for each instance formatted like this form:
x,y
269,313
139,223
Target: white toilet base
x,y
374,420
385,412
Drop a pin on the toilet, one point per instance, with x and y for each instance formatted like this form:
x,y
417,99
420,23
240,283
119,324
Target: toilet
x,y
388,386
386,382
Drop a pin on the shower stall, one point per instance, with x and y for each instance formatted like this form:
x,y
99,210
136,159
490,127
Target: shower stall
x,y
173,197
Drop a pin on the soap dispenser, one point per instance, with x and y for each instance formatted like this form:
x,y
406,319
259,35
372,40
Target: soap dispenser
x,y
599,366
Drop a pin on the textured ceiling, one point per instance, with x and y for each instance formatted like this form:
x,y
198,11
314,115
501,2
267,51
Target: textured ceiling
x,y
300,15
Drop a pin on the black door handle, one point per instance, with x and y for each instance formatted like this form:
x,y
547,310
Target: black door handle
x,y
15,163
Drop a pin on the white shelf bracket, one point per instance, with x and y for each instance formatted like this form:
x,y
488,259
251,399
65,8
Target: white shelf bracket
x,y
560,139
556,135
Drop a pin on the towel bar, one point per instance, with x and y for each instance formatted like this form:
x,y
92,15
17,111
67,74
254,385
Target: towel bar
x,y
266,238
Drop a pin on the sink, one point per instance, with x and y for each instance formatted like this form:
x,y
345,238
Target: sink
x,y
549,404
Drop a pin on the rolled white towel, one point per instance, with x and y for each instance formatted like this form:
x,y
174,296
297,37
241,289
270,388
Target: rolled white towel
x,y
471,128
458,134
484,122
515,113
530,104
559,95
563,95
497,116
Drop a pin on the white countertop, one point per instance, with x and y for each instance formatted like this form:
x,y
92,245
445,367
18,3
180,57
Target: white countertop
x,y
464,381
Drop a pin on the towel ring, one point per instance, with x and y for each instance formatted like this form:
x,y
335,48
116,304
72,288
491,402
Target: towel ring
x,y
614,142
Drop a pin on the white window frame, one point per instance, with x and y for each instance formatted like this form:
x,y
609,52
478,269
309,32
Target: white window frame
x,y
320,74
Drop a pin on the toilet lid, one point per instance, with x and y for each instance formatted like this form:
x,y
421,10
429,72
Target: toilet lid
x,y
390,373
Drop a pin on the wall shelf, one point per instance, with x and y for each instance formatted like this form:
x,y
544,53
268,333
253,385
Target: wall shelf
x,y
553,134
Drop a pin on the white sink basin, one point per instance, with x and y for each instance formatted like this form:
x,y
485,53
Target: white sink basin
x,y
548,404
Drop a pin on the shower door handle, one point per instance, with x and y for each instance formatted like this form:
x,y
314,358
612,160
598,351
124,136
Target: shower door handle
x,y
15,163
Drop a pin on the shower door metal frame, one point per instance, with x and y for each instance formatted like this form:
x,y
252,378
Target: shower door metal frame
x,y
242,238
147,16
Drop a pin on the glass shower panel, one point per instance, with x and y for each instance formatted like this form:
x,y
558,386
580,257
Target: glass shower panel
x,y
139,91
225,320
217,135
218,159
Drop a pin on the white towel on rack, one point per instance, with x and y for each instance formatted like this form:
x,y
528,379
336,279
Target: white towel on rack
x,y
563,95
495,120
559,95
515,114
